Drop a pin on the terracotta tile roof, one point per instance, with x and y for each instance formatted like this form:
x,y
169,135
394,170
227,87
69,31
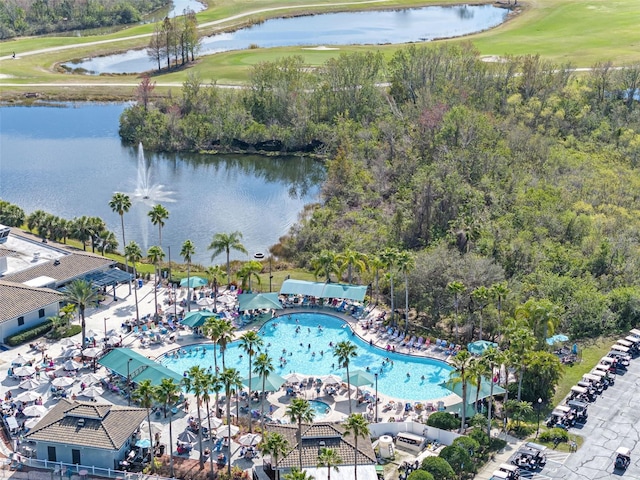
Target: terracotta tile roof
x,y
333,437
63,269
87,424
17,300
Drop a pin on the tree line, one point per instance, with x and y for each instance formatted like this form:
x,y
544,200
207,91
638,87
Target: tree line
x,y
519,172
38,17
175,38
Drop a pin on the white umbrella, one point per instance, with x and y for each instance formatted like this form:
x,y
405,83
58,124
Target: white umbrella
x,y
206,302
29,384
92,352
90,378
194,413
19,361
295,378
250,439
227,298
92,392
223,431
71,352
113,333
28,396
35,411
25,371
331,379
94,334
67,342
114,340
63,381
72,365
31,422
215,422
187,436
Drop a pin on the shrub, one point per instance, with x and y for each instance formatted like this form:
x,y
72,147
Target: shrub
x,y
443,421
29,334
439,468
64,332
554,435
420,475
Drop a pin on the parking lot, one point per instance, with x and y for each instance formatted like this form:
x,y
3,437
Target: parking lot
x,y
614,421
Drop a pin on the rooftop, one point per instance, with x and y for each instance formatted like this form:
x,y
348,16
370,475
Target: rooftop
x,y
88,424
17,300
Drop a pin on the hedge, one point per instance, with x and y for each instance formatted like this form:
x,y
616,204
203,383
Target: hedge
x,y
29,334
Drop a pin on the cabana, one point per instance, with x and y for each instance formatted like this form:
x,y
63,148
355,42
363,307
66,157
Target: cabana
x,y
128,363
324,289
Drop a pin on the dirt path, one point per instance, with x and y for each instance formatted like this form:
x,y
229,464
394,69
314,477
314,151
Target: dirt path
x,y
201,26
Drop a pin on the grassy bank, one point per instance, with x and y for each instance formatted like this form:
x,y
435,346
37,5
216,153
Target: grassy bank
x,y
562,31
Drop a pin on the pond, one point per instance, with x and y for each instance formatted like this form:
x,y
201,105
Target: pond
x,y
68,160
352,28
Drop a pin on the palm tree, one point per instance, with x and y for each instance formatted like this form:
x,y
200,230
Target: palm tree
x,y
405,263
108,243
251,343
194,383
376,264
344,351
187,252
225,242
299,411
478,371
82,294
325,263
328,457
144,395
210,383
542,317
155,254
249,270
357,426
168,393
120,203
97,225
462,365
158,214
275,445
499,291
351,260
225,336
133,254
81,228
211,329
230,378
296,474
481,296
215,273
263,367
456,288
389,258
492,358
519,409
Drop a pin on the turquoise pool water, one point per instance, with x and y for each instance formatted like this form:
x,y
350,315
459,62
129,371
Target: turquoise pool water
x,y
297,344
320,409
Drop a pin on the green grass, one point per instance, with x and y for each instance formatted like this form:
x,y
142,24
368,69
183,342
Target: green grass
x,y
589,353
580,32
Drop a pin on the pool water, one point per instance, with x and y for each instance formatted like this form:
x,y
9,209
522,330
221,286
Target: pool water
x,y
320,409
302,343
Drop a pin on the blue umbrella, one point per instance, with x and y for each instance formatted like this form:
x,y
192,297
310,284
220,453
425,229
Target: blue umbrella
x,y
193,282
559,338
479,347
143,443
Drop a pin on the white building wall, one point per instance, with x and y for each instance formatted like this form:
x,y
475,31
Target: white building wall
x,y
31,319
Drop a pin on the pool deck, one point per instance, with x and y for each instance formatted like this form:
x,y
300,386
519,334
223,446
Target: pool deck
x,y
112,314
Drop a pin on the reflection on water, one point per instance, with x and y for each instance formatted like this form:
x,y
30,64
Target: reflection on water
x,y
350,28
70,161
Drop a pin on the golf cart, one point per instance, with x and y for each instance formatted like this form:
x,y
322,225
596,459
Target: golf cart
x,y
513,472
499,475
580,409
529,458
623,458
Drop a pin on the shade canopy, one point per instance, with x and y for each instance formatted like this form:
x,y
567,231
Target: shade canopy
x,y
113,276
139,367
63,381
223,431
257,301
35,411
91,352
89,378
25,371
485,389
272,383
28,396
324,289
559,338
206,302
481,346
250,439
193,282
197,318
332,379
93,391
295,377
187,436
359,378
19,361
29,384
72,365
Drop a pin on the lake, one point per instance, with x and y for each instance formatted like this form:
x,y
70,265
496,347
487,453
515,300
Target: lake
x,y
68,160
348,28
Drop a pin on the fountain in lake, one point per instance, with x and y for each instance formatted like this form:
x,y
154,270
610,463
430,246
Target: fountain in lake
x,y
147,192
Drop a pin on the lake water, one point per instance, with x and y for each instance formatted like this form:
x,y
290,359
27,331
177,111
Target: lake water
x,y
351,28
68,160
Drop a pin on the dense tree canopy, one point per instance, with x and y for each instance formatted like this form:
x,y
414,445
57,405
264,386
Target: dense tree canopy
x,y
520,172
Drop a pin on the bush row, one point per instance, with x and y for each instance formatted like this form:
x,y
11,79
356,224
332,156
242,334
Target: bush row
x,y
29,334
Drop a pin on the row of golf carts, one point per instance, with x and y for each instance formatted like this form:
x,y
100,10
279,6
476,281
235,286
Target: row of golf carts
x,y
531,457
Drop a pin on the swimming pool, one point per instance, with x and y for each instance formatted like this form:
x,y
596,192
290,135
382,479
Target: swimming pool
x,y
306,349
320,409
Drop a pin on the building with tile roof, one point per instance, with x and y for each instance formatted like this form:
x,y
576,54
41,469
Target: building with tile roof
x,y
31,271
329,435
87,433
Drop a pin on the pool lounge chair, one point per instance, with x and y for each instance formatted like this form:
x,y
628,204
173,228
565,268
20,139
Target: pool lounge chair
x,y
411,342
404,340
420,343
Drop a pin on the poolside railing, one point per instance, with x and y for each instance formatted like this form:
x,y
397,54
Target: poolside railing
x,y
70,470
